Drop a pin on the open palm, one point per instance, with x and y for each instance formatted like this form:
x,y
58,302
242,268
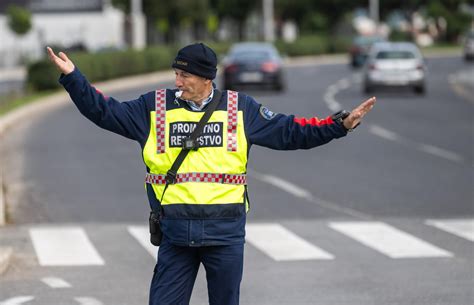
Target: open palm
x,y
62,62
358,113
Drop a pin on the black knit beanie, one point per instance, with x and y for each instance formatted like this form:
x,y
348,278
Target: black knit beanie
x,y
197,59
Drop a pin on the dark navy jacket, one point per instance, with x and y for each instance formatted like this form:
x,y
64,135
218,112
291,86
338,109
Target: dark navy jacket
x,y
131,119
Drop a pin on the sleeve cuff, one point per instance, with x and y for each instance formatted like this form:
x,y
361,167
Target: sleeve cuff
x,y
67,79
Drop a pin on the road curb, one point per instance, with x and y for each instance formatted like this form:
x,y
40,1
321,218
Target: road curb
x,y
6,254
2,201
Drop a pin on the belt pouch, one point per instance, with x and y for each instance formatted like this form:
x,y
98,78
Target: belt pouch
x,y
155,231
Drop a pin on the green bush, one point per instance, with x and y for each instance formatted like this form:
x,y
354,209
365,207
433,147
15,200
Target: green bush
x,y
396,35
306,45
19,19
42,75
107,65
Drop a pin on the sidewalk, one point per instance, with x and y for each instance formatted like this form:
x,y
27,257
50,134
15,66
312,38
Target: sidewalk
x,y
15,73
12,80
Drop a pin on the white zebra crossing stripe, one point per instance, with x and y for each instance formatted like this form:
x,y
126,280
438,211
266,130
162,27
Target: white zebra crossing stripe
x,y
88,301
64,246
281,244
141,234
55,282
460,227
17,300
389,240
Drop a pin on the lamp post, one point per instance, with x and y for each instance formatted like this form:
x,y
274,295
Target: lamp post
x,y
268,24
138,25
374,11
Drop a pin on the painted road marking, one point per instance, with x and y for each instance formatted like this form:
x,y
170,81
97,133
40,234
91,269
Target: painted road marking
x,y
334,105
17,300
389,240
283,184
384,133
426,148
142,235
281,244
440,152
304,194
64,246
88,301
55,282
461,227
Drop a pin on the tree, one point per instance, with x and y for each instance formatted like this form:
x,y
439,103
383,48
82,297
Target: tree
x,y
168,17
237,10
457,21
312,16
19,19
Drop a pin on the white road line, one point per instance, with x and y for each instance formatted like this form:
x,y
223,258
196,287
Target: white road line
x,y
461,227
88,301
64,246
281,244
302,193
17,300
383,133
426,148
329,99
283,184
439,152
343,84
389,240
142,235
334,106
55,282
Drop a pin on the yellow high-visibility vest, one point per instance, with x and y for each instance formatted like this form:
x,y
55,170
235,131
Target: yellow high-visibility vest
x,y
211,180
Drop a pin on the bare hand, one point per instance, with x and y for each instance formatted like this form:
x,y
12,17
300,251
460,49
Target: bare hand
x,y
62,62
358,113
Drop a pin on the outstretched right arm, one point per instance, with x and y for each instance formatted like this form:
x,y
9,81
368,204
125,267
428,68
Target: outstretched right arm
x,y
129,119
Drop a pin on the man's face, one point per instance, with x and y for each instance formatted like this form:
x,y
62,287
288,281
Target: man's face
x,y
194,87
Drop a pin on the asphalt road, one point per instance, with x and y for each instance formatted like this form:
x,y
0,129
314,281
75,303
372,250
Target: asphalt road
x,y
406,173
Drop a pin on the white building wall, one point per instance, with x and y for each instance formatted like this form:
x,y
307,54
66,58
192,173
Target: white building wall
x,y
95,30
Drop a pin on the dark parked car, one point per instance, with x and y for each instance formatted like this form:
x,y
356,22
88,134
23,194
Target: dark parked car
x,y
253,63
360,49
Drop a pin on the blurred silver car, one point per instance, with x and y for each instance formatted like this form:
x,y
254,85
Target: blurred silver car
x,y
468,48
392,64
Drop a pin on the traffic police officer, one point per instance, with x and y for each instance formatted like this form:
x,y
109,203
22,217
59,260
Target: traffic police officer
x,y
204,211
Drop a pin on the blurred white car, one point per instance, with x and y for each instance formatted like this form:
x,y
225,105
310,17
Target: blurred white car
x,y
391,64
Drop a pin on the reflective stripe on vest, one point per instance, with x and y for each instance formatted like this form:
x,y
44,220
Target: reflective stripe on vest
x,y
199,177
232,106
160,107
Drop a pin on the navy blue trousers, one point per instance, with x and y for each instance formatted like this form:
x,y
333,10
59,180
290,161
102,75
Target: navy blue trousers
x,y
177,267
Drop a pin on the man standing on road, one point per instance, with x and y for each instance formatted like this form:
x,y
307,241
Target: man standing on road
x,y
203,211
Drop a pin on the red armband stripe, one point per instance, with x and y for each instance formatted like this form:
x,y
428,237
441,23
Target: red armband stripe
x,y
313,121
100,92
